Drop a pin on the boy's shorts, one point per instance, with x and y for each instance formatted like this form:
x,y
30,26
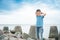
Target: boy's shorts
x,y
40,29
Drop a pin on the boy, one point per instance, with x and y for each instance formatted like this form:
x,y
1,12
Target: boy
x,y
39,24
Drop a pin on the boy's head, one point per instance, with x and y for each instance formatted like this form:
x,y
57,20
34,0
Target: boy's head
x,y
38,12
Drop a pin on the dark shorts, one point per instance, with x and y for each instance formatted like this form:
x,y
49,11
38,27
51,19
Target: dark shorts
x,y
39,30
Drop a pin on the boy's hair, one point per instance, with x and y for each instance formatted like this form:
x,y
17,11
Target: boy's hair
x,y
38,10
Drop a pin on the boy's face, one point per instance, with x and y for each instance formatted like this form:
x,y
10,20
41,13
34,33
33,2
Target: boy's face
x,y
38,13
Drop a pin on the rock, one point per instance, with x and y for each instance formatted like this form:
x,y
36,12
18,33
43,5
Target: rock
x,y
18,29
25,36
30,39
6,29
59,36
32,32
51,38
18,35
12,31
1,35
1,32
53,33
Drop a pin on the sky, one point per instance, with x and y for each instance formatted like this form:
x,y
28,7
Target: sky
x,y
23,12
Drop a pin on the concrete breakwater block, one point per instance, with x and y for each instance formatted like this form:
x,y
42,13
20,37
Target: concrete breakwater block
x,y
51,38
59,36
6,29
25,36
53,35
32,32
1,35
18,29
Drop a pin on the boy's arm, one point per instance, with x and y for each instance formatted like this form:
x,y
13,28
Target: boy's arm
x,y
43,14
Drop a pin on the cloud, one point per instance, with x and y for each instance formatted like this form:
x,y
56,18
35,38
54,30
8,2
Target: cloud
x,y
24,15
14,4
9,4
20,16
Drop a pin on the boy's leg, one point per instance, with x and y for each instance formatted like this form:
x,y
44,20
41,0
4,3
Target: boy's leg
x,y
41,33
37,32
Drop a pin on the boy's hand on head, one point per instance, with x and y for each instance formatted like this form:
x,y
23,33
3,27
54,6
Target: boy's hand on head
x,y
43,14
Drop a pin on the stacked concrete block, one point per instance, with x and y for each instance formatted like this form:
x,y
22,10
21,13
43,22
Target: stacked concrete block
x,y
25,36
32,32
18,31
6,29
1,35
53,35
59,36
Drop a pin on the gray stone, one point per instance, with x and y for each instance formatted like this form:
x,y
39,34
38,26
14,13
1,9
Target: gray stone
x,y
1,35
18,29
53,32
51,38
30,39
1,32
59,36
25,36
12,31
32,32
44,39
6,29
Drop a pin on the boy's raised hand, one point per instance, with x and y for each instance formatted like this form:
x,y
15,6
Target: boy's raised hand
x,y
43,14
